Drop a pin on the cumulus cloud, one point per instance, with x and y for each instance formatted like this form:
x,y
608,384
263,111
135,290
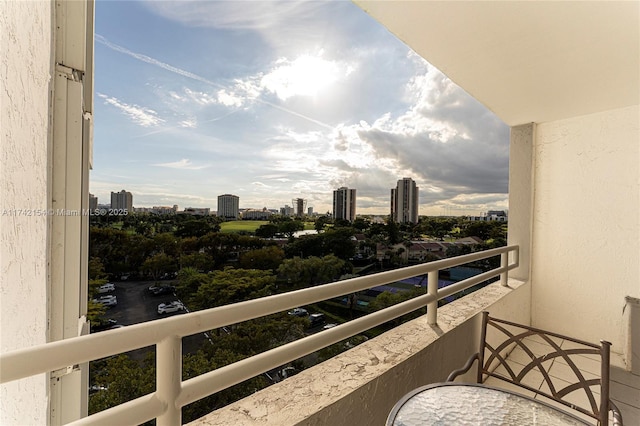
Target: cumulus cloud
x,y
142,116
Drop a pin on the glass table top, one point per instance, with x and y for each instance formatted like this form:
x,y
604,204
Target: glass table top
x,y
474,404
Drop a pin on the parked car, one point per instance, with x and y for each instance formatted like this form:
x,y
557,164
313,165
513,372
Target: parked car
x,y
102,325
109,300
163,289
328,326
167,308
299,312
105,288
316,320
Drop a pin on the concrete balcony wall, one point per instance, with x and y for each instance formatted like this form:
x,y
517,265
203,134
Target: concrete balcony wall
x,y
360,386
25,72
585,246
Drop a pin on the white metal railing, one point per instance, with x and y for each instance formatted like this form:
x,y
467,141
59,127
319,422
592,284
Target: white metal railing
x,y
172,393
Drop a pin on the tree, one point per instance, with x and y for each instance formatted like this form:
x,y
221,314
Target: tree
x,y
290,227
361,224
338,241
199,261
268,230
306,245
158,265
195,228
232,286
121,379
267,258
311,271
321,222
387,299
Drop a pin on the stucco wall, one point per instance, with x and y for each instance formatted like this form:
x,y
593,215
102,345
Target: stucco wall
x,y
586,224
25,70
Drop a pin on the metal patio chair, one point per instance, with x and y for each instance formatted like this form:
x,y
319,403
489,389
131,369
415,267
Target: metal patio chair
x,y
505,336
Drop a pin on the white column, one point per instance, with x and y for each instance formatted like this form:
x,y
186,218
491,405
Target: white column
x,y
521,182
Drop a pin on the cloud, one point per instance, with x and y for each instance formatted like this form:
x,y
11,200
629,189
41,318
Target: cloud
x,y
184,164
243,89
142,116
446,139
279,23
190,123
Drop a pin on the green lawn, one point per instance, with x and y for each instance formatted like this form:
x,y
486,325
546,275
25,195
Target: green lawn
x,y
241,225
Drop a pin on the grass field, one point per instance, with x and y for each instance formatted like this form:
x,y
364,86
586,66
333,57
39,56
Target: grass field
x,y
241,225
251,225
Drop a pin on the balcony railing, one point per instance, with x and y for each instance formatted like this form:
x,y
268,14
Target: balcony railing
x,y
172,393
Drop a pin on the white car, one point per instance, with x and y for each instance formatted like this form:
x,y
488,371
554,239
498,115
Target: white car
x,y
105,288
298,312
107,300
167,308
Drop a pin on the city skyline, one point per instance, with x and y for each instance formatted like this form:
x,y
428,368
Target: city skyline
x,y
282,101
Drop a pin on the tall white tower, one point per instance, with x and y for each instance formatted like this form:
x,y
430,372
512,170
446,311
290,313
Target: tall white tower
x,y
344,204
404,201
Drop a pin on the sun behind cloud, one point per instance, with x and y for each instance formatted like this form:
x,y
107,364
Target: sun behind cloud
x,y
305,76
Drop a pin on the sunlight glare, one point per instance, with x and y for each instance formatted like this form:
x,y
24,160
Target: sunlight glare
x,y
305,76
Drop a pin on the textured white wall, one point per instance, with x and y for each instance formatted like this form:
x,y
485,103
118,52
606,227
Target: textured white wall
x,y
25,71
586,229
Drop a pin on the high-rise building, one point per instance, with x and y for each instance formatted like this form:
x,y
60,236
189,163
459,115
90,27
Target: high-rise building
x,y
229,206
122,200
404,201
300,204
93,202
344,204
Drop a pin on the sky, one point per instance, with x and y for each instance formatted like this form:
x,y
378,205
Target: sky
x,y
273,101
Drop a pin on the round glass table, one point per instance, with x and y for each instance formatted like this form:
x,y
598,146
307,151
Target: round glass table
x,y
474,404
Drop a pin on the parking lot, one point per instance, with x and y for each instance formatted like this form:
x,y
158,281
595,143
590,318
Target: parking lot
x,y
136,304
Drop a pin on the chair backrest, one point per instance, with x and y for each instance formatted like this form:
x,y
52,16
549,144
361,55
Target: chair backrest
x,y
531,353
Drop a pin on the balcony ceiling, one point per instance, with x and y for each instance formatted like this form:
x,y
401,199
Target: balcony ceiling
x,y
526,61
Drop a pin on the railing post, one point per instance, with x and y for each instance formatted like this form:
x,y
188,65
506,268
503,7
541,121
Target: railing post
x,y
169,379
504,264
432,288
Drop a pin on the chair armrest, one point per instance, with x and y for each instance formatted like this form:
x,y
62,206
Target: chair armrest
x,y
617,416
455,373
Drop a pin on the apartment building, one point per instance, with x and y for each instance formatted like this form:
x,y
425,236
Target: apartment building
x,y
404,201
344,204
229,206
122,200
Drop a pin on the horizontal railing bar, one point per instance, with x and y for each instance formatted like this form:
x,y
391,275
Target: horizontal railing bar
x,y
134,412
470,282
232,374
55,355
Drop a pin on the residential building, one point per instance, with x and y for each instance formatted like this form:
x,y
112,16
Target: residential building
x,y
286,210
344,204
404,201
490,216
159,210
229,206
93,202
256,214
122,200
563,75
